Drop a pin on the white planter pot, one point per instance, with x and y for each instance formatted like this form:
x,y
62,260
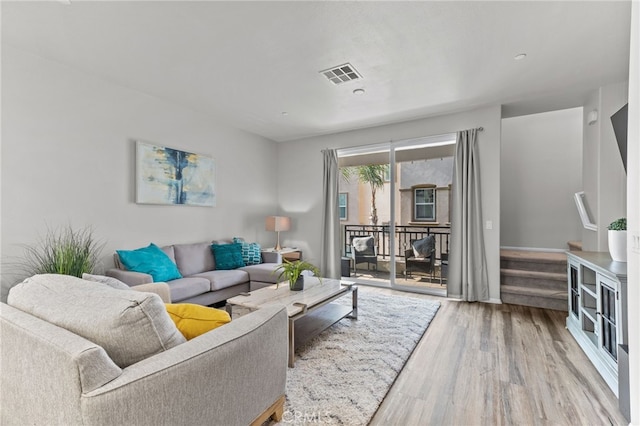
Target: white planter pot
x,y
618,245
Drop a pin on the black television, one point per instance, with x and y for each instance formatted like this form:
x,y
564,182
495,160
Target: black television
x,y
619,122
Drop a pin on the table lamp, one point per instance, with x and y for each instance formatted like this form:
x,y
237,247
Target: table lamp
x,y
277,224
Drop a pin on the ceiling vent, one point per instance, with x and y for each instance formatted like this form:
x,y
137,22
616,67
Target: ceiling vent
x,y
341,74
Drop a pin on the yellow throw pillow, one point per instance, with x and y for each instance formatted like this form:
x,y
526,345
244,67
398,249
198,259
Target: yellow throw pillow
x,y
193,320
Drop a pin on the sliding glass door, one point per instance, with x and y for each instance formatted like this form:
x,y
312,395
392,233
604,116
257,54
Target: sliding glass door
x,y
406,217
365,200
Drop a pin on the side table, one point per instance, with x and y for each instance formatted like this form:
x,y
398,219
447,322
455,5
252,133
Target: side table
x,y
345,266
288,253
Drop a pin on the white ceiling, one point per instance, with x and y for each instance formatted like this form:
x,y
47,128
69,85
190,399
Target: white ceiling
x,y
247,62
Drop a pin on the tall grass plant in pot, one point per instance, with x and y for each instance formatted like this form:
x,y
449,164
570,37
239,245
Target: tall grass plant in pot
x,y
617,238
63,250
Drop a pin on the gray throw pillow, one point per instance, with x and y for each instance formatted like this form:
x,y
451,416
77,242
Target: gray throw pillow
x,y
424,247
363,245
129,325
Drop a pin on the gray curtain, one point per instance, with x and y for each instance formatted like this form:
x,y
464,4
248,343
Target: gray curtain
x,y
468,277
330,255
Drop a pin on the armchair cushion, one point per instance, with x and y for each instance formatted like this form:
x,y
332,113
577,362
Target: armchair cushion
x,y
150,260
424,247
110,281
129,325
193,320
363,246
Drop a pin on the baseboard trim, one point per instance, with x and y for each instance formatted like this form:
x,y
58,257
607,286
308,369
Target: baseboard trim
x,y
458,298
553,250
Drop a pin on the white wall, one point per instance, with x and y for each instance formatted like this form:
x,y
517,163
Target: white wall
x,y
633,213
68,157
540,170
603,174
300,176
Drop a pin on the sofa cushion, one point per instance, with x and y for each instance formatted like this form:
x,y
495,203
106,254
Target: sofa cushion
x,y
251,252
129,325
150,260
184,288
168,250
110,281
228,256
263,272
194,258
193,320
226,278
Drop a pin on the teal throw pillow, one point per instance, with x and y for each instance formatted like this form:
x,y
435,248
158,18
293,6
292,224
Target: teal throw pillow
x,y
251,252
150,260
228,256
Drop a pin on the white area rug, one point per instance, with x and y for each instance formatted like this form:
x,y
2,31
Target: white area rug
x,y
342,376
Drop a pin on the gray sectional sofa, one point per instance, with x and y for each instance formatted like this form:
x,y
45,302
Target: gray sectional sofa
x,y
201,282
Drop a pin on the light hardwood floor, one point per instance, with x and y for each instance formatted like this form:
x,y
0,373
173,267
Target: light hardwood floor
x,y
485,364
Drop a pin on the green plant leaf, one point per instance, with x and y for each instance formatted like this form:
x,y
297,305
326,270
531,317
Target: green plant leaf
x,y
291,271
618,225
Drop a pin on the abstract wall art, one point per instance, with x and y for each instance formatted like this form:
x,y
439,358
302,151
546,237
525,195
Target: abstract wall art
x,y
171,176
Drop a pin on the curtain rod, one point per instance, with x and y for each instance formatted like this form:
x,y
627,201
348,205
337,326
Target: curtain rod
x,y
373,145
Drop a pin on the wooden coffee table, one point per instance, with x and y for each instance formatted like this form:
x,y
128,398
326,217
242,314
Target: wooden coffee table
x,y
310,310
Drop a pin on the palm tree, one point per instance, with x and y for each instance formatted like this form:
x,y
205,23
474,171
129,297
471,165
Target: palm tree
x,y
373,174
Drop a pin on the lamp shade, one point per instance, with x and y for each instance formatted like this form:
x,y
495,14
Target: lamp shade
x,y
277,223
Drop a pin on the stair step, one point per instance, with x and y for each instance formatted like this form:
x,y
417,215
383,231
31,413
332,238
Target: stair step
x,y
533,279
554,262
575,245
534,274
534,256
536,297
543,292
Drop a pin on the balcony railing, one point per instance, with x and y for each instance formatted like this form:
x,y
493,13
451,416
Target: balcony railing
x,y
404,235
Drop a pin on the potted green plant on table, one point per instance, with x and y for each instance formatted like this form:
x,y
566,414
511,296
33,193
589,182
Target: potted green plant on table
x,y
618,239
292,272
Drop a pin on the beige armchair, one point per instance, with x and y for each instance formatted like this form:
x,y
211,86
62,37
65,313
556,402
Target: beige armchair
x,y
161,289
232,375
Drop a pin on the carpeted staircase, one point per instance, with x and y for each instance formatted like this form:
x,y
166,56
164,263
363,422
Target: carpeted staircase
x,y
534,278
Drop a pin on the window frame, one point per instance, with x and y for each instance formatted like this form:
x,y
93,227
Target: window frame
x,y
414,210
346,205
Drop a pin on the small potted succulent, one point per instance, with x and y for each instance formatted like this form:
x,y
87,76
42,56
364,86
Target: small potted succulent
x,y
618,239
292,272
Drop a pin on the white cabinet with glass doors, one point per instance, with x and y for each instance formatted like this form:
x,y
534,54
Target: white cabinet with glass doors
x,y
595,319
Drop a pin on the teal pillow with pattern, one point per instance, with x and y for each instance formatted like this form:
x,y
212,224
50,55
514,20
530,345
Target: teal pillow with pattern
x,y
251,252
